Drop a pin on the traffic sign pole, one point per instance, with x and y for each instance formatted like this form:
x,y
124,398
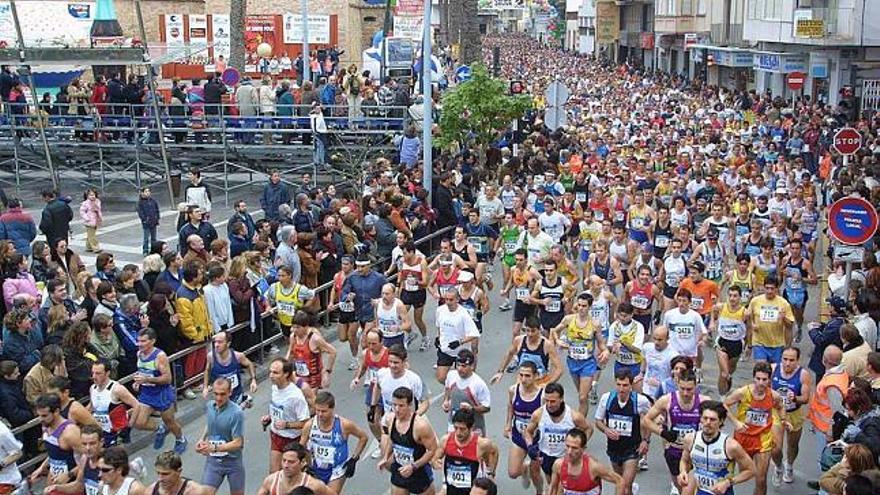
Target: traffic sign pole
x,y
853,221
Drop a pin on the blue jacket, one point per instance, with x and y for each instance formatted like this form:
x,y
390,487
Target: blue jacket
x,y
303,221
274,195
365,288
246,219
205,230
409,151
22,349
822,337
285,104
328,95
126,328
169,279
13,404
238,245
19,228
148,212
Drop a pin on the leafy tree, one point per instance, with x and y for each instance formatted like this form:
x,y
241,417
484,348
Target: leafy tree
x,y
477,111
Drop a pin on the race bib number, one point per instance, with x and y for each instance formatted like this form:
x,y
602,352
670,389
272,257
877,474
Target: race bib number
x,y
520,424
626,356
554,306
682,431
623,425
637,223
586,244
684,332
286,308
729,332
91,487
705,480
103,420
276,411
581,197
346,307
555,440
411,284
477,243
619,216
579,352
403,455
233,380
787,398
769,314
757,417
661,241
640,302
458,476
302,368
522,293
325,455
697,303
600,215
57,468
509,247
673,279
444,289
217,443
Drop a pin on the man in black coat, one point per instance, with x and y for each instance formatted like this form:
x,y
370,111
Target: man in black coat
x,y
56,218
443,201
14,406
214,91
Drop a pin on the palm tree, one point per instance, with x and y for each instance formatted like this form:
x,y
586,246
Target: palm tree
x,y
237,14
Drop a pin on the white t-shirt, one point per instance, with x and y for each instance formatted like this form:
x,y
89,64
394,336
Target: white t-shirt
x,y
554,224
288,404
490,210
657,367
388,384
685,330
474,384
454,325
9,445
538,247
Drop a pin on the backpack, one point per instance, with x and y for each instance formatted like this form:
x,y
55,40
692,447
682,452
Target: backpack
x,y
354,85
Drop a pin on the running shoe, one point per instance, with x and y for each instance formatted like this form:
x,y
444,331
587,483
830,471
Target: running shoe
x,y
635,488
525,478
189,394
594,398
643,464
788,473
512,367
777,476
180,445
137,468
377,452
799,335
353,364
424,345
505,306
159,439
411,338
699,374
673,490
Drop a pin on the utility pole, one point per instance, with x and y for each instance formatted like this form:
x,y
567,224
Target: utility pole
x,y
386,26
427,97
307,58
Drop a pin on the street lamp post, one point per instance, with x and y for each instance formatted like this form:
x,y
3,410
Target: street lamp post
x,y
307,59
427,95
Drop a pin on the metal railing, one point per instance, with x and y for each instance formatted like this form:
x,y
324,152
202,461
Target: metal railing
x,y
194,120
259,347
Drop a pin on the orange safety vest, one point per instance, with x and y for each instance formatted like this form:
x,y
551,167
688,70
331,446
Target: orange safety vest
x,y
820,413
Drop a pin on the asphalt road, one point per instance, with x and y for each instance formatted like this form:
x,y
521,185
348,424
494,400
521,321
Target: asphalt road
x,y
121,234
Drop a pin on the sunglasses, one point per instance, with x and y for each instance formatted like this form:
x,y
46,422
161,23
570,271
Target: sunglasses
x,y
106,469
466,363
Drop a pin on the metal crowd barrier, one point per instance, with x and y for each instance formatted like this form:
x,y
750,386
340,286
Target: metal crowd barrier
x,y
260,347
196,121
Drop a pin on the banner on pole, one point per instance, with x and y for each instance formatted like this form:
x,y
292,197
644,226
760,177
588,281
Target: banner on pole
x,y
319,28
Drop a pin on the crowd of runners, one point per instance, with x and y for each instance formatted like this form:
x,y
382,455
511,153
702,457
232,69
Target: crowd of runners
x,y
667,225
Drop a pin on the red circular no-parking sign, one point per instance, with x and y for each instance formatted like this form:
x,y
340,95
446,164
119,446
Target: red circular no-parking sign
x,y
796,80
853,221
847,141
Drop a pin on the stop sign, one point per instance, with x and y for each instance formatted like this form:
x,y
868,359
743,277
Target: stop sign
x,y
796,80
847,141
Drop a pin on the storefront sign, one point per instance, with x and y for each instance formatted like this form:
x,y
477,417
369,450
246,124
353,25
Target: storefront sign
x,y
780,63
319,28
733,59
607,22
690,39
809,28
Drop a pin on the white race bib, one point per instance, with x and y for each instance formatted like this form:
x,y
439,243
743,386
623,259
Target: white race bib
x,y
697,303
661,241
579,352
325,455
757,417
769,314
554,306
458,476
302,368
522,293
346,307
623,425
403,455
684,332
640,302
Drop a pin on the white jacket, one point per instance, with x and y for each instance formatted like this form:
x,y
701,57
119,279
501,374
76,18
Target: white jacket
x,y
267,99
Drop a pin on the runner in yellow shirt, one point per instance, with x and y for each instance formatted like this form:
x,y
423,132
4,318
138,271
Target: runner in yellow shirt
x,y
772,321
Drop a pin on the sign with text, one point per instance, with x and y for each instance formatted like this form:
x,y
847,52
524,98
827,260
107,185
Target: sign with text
x,y
607,22
852,221
409,26
319,28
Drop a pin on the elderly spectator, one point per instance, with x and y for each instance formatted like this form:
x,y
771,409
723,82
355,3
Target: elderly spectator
x,y
127,322
220,253
195,322
37,379
56,218
855,351
286,254
153,267
275,194
21,345
18,226
195,250
218,299
195,225
106,343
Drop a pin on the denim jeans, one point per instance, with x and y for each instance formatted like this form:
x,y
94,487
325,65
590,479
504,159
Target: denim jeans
x,y
320,148
149,238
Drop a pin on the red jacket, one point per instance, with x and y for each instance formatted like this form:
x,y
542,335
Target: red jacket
x,y
99,98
